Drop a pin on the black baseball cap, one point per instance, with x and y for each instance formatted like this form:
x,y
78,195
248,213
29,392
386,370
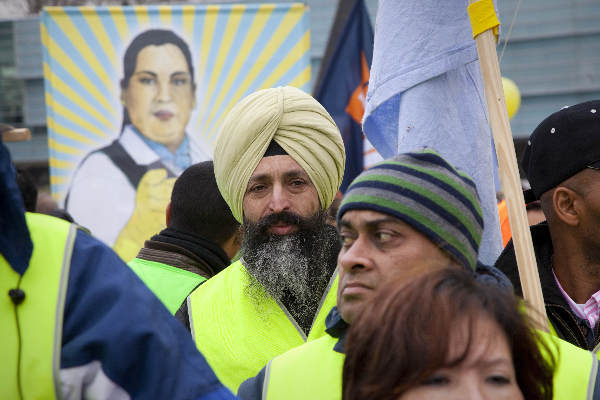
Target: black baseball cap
x,y
563,144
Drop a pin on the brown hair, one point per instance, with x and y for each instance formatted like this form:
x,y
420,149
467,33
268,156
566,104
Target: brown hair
x,y
402,336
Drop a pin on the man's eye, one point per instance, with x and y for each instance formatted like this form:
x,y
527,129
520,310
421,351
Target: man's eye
x,y
345,240
383,236
298,182
257,188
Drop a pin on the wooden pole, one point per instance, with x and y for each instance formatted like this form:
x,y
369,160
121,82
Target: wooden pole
x,y
509,177
16,135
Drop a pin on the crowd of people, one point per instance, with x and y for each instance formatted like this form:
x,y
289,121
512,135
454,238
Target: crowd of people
x,y
254,289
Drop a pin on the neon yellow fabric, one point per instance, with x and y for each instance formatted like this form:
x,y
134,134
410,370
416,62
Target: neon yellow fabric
x,y
311,371
596,351
40,314
170,284
314,371
483,17
576,371
238,337
298,123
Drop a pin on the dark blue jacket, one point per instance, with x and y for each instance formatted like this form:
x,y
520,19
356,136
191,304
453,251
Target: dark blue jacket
x,y
118,340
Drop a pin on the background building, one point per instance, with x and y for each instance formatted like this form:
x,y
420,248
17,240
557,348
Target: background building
x,y
553,55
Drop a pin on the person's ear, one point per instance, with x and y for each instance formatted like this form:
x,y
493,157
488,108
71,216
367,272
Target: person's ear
x,y
122,97
168,214
567,205
233,244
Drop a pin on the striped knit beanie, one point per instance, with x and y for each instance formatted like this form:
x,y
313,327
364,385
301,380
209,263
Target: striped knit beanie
x,y
426,192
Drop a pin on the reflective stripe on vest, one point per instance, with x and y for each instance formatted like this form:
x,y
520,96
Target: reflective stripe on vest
x,y
40,315
236,335
170,284
311,371
576,371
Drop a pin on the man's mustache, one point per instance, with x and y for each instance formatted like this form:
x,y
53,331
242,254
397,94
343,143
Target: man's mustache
x,y
284,217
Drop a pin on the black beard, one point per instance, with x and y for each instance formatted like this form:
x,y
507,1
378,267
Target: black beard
x,y
295,268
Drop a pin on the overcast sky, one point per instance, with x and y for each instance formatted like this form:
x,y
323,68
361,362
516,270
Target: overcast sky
x,y
13,8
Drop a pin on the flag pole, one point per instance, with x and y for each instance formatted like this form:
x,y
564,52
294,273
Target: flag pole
x,y
509,172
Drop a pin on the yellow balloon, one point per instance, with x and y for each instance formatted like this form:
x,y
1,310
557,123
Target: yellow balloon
x,y
512,96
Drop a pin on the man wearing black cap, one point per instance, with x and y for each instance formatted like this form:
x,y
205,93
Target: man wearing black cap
x,y
562,163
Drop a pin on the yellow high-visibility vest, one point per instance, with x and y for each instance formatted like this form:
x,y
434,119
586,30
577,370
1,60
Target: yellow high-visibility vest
x,y
314,371
170,284
40,315
238,337
311,371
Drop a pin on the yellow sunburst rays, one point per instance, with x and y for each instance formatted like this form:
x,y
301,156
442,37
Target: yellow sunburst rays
x,y
262,16
65,24
55,161
208,30
297,52
59,163
66,113
60,86
94,22
165,15
233,22
68,132
286,25
58,180
118,16
65,61
188,13
141,14
302,78
64,148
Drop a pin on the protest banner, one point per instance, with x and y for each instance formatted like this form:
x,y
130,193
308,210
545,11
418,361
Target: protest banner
x,y
136,94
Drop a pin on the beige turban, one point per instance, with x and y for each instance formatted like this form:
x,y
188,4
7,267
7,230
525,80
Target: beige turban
x,y
298,123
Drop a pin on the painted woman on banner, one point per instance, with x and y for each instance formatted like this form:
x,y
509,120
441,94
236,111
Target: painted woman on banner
x,y
120,192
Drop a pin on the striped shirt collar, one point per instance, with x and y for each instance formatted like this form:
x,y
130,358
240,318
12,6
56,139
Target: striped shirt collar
x,y
589,311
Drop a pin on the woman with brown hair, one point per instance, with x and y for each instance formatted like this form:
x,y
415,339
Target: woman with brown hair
x,y
445,336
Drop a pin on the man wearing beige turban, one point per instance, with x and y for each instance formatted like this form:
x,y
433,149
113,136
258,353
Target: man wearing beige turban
x,y
279,162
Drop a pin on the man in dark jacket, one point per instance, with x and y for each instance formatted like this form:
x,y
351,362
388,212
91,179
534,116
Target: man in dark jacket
x,y
201,238
562,163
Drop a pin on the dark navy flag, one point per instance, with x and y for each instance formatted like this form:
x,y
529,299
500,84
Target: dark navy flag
x,y
344,80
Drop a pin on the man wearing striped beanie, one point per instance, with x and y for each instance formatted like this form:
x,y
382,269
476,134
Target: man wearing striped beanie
x,y
406,216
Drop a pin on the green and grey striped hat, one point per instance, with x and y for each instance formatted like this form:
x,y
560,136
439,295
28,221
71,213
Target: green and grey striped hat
x,y
426,192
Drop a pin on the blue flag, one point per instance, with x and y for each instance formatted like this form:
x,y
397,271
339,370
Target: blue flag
x,y
343,87
426,90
